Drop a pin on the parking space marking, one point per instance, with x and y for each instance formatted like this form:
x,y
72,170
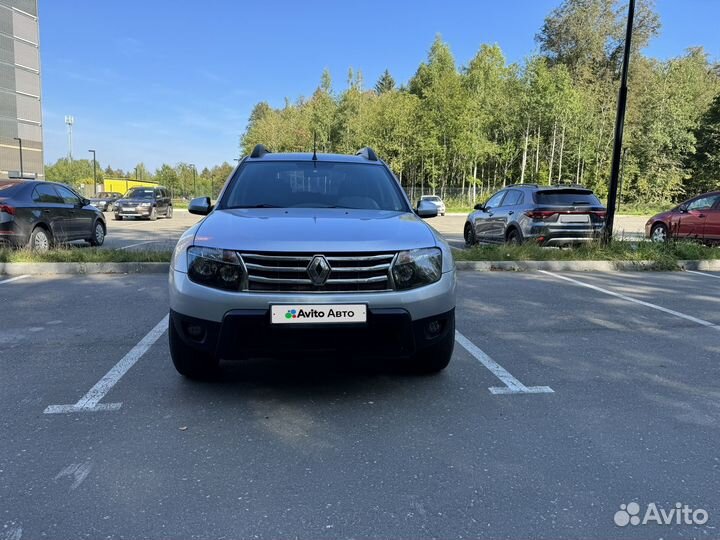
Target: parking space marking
x,y
90,402
512,385
77,472
634,300
13,279
702,274
140,244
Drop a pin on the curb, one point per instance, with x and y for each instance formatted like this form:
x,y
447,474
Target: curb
x,y
579,266
18,269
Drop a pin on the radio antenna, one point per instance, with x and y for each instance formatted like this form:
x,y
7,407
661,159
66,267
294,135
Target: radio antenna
x,y
314,145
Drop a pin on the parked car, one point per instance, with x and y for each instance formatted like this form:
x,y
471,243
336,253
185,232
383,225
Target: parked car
x,y
695,219
437,201
548,215
105,200
144,202
40,214
311,254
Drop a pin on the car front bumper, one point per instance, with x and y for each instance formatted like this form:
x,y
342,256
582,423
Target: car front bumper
x,y
248,333
140,211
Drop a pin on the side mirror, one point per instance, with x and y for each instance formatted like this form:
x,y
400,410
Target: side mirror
x,y
426,209
683,208
479,206
200,206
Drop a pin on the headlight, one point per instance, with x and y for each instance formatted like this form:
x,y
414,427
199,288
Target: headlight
x,y
213,267
417,267
145,204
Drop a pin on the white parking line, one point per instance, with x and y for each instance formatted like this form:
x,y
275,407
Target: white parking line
x,y
90,402
702,274
13,279
140,244
512,385
635,300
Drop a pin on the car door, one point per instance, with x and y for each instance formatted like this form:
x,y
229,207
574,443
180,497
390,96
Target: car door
x,y
484,221
165,201
712,222
80,220
504,214
692,218
51,210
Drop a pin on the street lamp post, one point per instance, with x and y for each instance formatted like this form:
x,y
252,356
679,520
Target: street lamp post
x,y
94,172
619,126
194,179
19,140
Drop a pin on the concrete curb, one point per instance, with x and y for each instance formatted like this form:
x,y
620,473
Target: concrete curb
x,y
18,269
580,266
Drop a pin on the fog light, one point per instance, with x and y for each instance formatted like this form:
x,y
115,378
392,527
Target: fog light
x,y
195,331
433,328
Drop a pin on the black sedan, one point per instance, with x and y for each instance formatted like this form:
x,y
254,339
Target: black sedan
x,y
40,214
105,200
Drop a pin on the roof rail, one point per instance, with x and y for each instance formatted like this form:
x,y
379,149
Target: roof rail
x,y
368,153
523,185
259,151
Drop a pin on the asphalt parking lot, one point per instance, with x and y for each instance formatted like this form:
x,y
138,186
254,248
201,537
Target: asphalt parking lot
x,y
136,234
564,400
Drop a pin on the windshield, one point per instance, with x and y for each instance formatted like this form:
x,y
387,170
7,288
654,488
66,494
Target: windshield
x,y
308,184
140,193
569,197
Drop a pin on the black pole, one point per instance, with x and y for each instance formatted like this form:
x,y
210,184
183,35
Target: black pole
x,y
94,172
619,126
19,140
622,178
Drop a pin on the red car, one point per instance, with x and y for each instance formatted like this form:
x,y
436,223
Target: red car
x,y
695,219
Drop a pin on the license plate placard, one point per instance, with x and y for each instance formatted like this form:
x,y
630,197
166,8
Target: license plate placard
x,y
318,313
574,218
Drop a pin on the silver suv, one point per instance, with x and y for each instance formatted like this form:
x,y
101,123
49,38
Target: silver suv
x,y
548,215
311,253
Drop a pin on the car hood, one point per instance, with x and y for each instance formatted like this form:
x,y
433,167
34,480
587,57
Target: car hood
x,y
313,230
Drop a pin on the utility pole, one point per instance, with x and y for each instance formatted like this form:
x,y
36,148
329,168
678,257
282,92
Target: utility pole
x,y
619,127
94,172
19,140
194,179
69,120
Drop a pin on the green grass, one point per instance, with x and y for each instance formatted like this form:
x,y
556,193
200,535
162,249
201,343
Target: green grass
x,y
83,255
665,256
180,203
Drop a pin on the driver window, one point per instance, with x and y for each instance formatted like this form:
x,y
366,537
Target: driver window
x,y
494,201
703,203
68,196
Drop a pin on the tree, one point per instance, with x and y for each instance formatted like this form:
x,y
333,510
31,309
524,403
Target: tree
x,y
385,83
705,162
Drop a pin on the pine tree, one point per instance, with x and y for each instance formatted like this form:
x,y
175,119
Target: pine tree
x,y
385,83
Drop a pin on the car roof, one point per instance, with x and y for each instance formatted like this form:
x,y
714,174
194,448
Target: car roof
x,y
308,156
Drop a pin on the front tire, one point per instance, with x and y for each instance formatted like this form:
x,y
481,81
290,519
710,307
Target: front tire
x,y
189,362
153,214
169,212
659,233
118,217
469,235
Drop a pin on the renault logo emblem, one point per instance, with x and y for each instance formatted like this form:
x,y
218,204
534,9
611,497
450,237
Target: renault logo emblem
x,y
318,270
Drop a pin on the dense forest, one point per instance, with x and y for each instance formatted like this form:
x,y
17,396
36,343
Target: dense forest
x,y
461,131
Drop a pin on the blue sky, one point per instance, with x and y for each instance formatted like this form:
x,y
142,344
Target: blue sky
x,y
164,81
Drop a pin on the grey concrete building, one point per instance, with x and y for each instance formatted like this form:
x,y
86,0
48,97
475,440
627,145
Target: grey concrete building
x,y
20,111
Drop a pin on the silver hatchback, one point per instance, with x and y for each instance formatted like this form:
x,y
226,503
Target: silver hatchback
x,y
308,253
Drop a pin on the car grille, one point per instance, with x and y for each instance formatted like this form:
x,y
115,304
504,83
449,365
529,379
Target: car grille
x,y
356,272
